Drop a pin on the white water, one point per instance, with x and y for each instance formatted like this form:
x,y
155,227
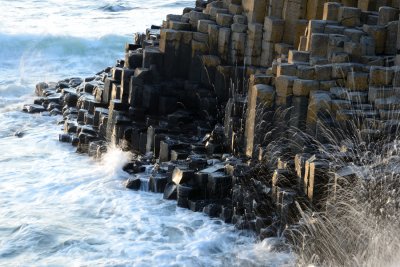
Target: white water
x,y
58,208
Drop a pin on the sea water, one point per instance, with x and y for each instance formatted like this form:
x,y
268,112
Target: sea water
x,y
59,208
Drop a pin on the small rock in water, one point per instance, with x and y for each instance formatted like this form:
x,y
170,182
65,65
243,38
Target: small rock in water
x,y
133,183
74,141
64,138
33,108
158,183
19,134
38,101
53,105
133,168
212,210
55,112
170,191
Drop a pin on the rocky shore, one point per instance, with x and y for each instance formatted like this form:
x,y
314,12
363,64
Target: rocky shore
x,y
226,106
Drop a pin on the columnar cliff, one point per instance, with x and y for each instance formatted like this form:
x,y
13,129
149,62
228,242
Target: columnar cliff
x,y
224,104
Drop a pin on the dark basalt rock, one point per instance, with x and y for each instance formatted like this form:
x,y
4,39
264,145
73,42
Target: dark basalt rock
x,y
170,191
219,185
201,180
38,101
55,112
158,182
53,98
198,205
87,130
53,105
33,108
19,134
49,92
134,167
183,194
89,87
197,163
181,176
74,141
64,138
95,148
81,116
213,210
70,126
179,154
71,99
74,82
133,183
226,214
62,85
89,79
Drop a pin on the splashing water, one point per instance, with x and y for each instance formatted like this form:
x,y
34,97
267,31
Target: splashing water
x,y
58,207
358,225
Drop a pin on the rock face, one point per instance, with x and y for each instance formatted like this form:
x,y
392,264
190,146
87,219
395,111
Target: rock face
x,y
202,97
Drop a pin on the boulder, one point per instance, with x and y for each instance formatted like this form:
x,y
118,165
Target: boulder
x,y
33,108
133,183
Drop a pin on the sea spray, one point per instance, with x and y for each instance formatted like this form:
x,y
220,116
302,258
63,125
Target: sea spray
x,y
358,225
114,160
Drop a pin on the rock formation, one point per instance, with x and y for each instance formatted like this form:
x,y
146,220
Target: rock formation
x,y
200,99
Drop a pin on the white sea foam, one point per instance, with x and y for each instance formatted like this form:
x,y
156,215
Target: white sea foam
x,y
58,207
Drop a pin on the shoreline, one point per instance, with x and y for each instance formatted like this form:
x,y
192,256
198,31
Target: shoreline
x,y
234,120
